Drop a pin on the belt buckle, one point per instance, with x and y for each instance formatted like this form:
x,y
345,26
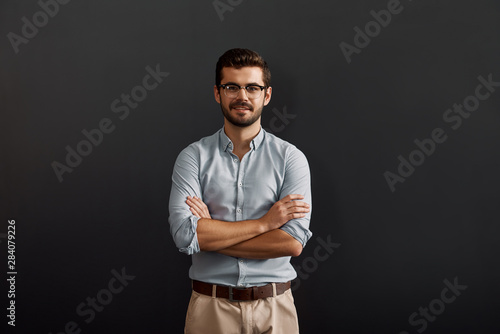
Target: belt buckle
x,y
231,294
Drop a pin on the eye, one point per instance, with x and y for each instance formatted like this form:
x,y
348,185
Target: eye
x,y
253,89
232,88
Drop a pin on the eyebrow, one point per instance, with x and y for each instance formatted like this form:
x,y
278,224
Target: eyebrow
x,y
248,84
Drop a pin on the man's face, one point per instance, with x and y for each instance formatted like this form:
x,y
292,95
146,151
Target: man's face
x,y
241,110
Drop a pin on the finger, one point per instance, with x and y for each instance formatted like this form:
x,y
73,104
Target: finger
x,y
291,197
195,213
200,215
298,209
304,213
199,207
297,204
195,209
200,203
194,199
297,215
196,204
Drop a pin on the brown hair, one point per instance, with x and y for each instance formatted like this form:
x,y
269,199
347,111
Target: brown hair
x,y
239,58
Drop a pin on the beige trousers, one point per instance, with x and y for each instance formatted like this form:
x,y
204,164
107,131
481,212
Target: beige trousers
x,y
210,315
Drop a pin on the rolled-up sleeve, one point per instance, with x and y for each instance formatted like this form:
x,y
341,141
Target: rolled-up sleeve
x,y
185,182
297,180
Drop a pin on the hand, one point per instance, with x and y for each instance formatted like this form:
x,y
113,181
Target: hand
x,y
197,207
284,210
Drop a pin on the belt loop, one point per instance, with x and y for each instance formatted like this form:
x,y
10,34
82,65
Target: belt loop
x,y
214,291
274,289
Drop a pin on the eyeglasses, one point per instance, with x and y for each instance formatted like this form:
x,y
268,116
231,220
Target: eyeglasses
x,y
232,90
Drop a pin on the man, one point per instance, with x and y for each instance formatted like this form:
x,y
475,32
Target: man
x,y
236,207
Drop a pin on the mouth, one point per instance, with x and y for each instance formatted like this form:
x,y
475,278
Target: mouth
x,y
241,108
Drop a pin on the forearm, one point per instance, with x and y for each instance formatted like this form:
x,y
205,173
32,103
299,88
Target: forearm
x,y
272,244
215,235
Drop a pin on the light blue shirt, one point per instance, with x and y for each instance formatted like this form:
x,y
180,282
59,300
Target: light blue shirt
x,y
235,190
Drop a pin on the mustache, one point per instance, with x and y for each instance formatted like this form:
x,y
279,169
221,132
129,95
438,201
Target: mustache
x,y
241,104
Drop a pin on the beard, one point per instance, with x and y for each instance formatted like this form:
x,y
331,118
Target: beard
x,y
242,121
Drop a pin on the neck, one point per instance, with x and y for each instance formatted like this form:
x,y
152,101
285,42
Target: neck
x,y
241,136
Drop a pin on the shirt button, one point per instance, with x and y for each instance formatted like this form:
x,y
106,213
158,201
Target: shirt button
x,y
235,160
240,184
238,210
241,261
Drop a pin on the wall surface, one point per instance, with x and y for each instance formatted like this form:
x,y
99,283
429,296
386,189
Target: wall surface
x,y
395,104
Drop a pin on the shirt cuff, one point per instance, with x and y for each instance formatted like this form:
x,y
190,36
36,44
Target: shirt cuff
x,y
298,231
193,246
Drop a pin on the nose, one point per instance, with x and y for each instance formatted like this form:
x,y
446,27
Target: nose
x,y
244,95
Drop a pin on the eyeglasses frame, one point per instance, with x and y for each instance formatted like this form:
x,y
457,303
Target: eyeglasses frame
x,y
240,87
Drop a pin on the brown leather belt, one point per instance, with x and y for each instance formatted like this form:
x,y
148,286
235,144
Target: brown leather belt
x,y
237,294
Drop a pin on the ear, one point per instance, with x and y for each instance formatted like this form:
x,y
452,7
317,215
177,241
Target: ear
x,y
217,94
267,97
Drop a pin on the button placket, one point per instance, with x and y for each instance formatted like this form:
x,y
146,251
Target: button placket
x,y
242,272
240,197
240,167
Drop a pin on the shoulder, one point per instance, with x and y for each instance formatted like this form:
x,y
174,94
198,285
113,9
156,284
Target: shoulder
x,y
193,150
287,150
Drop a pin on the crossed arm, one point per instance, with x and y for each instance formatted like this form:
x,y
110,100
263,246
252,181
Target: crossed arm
x,y
252,239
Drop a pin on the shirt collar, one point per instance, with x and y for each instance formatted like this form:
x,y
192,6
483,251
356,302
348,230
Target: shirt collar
x,y
258,139
224,140
255,143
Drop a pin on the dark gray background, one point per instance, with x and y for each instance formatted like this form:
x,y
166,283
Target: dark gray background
x,y
352,122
